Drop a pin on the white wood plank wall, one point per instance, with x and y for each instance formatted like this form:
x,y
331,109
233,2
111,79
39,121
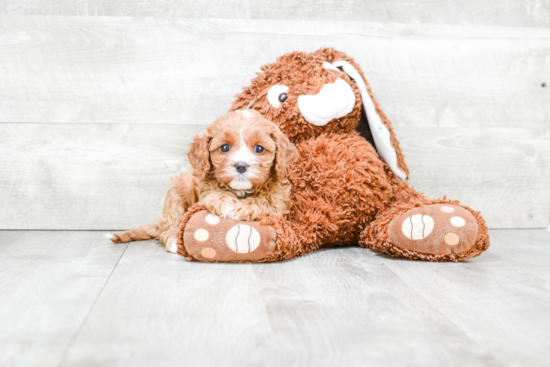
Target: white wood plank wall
x,y
95,111
517,13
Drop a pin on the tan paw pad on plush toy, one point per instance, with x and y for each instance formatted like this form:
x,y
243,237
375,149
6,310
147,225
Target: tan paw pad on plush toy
x,y
211,238
434,229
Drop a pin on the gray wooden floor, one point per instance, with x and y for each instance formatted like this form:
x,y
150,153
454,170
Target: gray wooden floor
x,y
75,299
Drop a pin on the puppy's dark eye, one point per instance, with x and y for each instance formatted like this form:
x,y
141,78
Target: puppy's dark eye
x,y
259,149
282,97
225,148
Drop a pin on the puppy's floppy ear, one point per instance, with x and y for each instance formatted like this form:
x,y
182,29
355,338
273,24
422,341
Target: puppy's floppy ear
x,y
285,156
199,155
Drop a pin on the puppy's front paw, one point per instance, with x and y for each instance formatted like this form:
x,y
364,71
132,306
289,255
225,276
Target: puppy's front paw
x,y
246,213
227,212
172,245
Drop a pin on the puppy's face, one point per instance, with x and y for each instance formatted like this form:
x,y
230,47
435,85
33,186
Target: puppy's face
x,y
242,150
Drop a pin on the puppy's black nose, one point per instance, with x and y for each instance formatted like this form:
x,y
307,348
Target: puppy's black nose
x,y
241,167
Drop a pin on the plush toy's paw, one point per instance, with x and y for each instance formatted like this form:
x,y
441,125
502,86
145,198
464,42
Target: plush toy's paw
x,y
208,237
437,229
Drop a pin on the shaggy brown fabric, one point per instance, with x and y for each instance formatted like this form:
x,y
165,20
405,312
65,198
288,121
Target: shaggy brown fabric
x,y
342,192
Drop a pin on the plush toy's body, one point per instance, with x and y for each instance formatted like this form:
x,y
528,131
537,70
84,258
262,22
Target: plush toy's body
x,y
346,189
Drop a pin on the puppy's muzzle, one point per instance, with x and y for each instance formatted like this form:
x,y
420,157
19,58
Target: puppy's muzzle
x,y
241,167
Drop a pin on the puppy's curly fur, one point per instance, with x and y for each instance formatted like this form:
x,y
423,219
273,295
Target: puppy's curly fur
x,y
239,171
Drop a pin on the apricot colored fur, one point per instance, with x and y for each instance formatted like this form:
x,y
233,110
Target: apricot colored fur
x,y
208,183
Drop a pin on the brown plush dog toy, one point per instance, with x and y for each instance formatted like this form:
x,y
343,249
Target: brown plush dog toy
x,y
346,188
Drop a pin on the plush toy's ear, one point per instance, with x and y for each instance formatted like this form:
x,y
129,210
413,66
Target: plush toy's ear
x,y
285,155
380,126
199,155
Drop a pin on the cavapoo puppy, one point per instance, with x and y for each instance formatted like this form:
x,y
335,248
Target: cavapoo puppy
x,y
239,169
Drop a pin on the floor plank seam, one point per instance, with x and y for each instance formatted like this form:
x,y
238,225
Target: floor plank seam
x,y
458,328
421,296
262,299
90,310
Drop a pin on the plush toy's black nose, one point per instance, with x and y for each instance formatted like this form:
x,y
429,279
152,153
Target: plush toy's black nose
x,y
241,167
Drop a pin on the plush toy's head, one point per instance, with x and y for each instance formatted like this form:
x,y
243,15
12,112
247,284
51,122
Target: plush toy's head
x,y
322,92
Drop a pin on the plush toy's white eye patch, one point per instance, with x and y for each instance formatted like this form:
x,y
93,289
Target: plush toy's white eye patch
x,y
277,94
